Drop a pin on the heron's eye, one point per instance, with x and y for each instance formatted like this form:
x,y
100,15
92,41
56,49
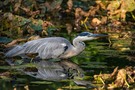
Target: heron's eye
x,y
88,35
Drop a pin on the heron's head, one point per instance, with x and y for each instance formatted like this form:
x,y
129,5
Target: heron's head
x,y
89,36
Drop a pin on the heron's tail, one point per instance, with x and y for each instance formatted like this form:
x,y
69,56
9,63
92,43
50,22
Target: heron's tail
x,y
17,50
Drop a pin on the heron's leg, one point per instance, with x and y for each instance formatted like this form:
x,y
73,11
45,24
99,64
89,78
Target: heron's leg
x,y
36,59
25,58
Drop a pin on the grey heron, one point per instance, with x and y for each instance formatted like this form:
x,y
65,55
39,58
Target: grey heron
x,y
54,47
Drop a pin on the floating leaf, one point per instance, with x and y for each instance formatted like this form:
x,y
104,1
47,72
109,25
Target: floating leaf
x,y
36,27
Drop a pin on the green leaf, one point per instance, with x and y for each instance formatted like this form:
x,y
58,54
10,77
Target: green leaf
x,y
5,40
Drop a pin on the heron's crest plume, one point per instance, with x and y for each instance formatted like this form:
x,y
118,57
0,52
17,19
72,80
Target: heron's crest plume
x,y
85,34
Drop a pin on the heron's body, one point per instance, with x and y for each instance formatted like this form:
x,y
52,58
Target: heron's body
x,y
53,47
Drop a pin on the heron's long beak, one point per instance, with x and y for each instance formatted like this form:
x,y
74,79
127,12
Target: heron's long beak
x,y
98,35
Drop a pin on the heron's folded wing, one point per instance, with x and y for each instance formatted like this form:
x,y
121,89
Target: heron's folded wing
x,y
45,47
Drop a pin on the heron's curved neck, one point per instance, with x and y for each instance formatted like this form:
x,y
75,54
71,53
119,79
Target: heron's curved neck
x,y
79,46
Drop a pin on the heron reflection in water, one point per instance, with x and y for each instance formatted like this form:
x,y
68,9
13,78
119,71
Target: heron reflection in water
x,y
53,47
56,71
